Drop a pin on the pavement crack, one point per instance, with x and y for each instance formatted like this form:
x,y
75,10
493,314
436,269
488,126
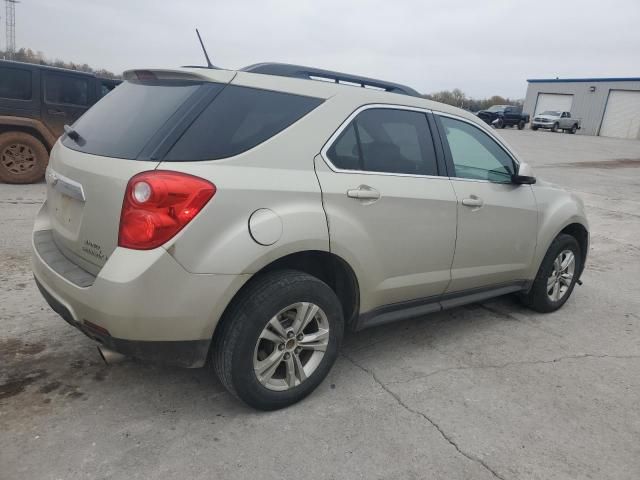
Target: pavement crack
x,y
509,364
20,202
442,433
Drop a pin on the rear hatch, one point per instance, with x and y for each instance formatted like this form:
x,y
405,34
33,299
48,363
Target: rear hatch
x,y
125,133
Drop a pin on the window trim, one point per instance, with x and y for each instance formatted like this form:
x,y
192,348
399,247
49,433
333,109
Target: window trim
x,y
447,153
343,126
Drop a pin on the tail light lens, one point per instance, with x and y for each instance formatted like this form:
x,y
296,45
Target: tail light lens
x,y
158,204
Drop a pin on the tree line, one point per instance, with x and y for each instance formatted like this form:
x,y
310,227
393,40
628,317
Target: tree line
x,y
455,97
458,98
29,56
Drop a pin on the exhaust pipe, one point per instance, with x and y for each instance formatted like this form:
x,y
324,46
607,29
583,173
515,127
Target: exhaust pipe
x,y
109,357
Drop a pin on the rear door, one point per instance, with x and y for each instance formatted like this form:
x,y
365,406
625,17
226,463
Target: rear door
x,y
391,214
497,220
65,97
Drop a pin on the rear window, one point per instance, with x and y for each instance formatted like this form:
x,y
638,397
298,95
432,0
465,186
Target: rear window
x,y
15,83
144,120
125,120
239,119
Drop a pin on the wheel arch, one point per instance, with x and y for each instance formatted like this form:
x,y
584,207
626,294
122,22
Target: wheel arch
x,y
581,234
326,266
31,126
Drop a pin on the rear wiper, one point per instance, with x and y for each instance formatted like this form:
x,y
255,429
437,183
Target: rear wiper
x,y
71,133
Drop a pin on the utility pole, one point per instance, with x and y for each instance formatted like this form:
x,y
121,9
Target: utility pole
x,y
10,22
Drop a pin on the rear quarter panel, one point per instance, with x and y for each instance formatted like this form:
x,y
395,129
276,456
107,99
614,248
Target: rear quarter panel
x,y
277,175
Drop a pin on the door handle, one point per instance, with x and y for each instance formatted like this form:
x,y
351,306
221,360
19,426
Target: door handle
x,y
363,192
472,201
57,113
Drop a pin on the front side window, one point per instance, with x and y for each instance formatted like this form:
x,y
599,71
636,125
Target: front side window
x,y
475,154
66,90
15,84
386,140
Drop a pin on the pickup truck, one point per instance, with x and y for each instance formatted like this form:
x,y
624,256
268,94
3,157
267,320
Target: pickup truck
x,y
36,102
555,120
501,116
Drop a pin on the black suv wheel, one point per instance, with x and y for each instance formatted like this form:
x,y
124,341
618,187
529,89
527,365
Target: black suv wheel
x,y
23,158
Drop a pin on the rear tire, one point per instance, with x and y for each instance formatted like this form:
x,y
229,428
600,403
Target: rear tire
x,y
520,124
23,158
574,129
551,287
247,341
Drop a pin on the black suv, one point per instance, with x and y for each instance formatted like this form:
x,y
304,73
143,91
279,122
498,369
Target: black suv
x,y
36,102
501,116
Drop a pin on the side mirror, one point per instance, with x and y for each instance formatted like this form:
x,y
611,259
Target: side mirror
x,y
524,176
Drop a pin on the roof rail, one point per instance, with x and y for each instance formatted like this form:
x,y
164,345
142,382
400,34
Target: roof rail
x,y
310,73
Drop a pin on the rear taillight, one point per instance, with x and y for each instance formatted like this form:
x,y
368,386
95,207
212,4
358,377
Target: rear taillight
x,y
158,204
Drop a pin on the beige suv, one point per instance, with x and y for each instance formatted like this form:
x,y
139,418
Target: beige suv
x,y
249,217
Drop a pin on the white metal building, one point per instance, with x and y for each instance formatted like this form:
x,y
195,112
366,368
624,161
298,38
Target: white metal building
x,y
609,107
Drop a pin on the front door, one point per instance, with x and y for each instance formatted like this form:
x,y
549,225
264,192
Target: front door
x,y
497,219
391,216
65,98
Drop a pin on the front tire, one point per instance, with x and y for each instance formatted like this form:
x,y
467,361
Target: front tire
x,y
555,127
534,128
23,158
279,339
556,276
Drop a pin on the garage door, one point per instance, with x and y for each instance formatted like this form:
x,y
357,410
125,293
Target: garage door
x,y
622,115
553,101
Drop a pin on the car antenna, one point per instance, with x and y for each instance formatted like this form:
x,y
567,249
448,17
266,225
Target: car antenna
x,y
206,55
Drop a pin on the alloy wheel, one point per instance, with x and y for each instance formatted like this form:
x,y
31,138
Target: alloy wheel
x,y
561,277
291,346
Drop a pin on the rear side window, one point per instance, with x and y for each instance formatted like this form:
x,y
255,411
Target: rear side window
x,y
15,84
386,140
125,120
238,119
66,90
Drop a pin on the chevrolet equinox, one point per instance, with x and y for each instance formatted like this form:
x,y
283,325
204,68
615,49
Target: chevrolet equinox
x,y
247,218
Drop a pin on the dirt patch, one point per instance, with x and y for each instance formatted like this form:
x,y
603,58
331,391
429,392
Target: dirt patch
x,y
604,164
12,347
16,384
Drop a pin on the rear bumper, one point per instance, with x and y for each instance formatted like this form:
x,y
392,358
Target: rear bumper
x,y
187,353
142,304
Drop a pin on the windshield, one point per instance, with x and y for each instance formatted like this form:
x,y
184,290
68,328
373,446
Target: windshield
x,y
497,108
551,113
